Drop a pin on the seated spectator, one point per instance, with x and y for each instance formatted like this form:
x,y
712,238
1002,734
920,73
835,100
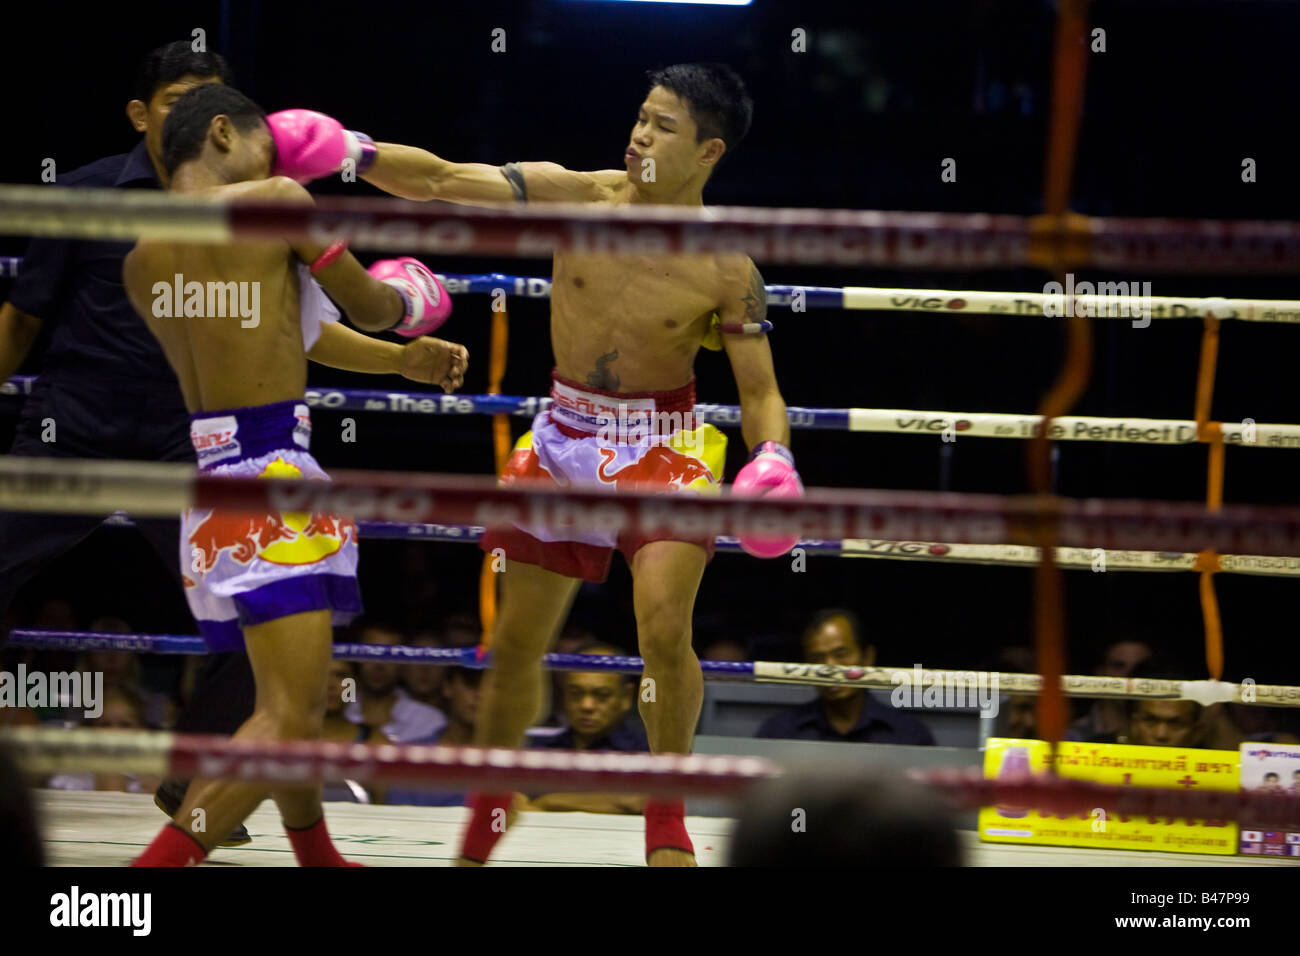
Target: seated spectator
x,y
1163,723
341,690
460,690
424,681
460,695
126,669
597,708
570,639
1106,719
1259,725
1017,713
841,819
383,708
461,630
723,649
1018,717
843,712
123,710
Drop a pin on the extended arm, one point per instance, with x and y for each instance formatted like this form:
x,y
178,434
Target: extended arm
x,y
311,145
414,173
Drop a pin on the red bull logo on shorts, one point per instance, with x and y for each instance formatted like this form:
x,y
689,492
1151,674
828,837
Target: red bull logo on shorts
x,y
657,467
290,538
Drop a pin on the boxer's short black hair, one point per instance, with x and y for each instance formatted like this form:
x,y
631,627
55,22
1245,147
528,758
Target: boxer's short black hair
x,y
191,115
715,95
171,62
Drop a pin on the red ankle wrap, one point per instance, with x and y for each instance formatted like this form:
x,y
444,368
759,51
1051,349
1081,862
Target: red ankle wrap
x,y
665,827
172,847
486,825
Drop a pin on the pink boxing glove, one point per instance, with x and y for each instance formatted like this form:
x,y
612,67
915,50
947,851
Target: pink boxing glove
x,y
770,473
309,145
427,302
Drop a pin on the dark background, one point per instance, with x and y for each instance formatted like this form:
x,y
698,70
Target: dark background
x,y
1184,92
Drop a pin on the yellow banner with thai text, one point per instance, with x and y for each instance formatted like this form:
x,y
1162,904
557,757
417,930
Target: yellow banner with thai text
x,y
1118,765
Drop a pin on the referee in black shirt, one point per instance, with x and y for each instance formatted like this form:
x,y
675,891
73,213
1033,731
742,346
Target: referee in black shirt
x,y
105,389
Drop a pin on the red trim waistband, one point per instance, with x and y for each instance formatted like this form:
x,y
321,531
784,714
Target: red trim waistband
x,y
673,400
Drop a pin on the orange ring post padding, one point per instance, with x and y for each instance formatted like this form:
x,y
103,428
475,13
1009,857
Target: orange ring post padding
x,y
1210,432
487,583
1070,65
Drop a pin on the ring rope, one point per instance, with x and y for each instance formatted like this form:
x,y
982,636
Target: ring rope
x,y
162,753
819,237
1203,692
896,421
165,754
928,552
165,489
934,301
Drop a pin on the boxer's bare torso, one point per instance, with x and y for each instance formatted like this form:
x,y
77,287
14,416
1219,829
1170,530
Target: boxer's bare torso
x,y
635,323
226,361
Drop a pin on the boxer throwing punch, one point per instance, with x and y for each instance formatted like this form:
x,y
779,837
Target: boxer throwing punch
x,y
625,331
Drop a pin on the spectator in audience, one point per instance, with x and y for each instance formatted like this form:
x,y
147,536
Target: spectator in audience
x,y
460,696
424,681
571,638
341,690
460,691
597,708
1017,715
1106,719
841,819
383,707
122,710
1257,724
723,648
843,712
125,669
1163,723
462,630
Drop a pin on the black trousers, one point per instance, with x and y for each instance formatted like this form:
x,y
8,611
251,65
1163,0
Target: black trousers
x,y
29,542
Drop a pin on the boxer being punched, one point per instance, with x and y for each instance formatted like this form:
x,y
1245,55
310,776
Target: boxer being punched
x,y
625,331
278,581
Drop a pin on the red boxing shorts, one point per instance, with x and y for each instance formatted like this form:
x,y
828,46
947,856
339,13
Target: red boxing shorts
x,y
633,441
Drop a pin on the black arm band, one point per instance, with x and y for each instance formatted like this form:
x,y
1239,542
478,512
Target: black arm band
x,y
515,177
